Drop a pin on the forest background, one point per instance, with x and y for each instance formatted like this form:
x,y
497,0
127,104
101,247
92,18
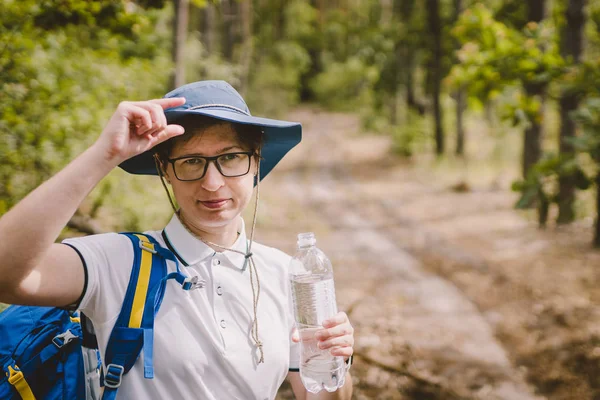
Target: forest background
x,y
414,70
411,69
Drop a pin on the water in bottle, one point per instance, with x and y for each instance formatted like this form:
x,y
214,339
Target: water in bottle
x,y
311,277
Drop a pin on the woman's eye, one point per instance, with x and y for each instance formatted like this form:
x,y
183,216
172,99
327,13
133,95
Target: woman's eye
x,y
229,157
193,161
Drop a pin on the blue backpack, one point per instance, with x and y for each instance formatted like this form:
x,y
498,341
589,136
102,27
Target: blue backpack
x,y
46,354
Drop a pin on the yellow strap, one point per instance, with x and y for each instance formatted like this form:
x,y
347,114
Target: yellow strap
x,y
141,288
75,319
17,379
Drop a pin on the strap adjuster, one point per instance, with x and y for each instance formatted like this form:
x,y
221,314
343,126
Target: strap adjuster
x,y
15,375
191,283
63,339
147,246
114,375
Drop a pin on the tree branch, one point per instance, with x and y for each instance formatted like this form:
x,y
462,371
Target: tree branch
x,y
85,224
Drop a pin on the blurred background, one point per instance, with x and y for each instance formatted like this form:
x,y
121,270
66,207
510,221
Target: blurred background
x,y
450,162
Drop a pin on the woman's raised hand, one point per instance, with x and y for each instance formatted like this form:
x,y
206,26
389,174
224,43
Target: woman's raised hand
x,y
137,126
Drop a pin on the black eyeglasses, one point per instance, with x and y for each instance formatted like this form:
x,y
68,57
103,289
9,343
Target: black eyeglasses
x,y
193,168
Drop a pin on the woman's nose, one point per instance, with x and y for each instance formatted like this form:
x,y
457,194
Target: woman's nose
x,y
213,179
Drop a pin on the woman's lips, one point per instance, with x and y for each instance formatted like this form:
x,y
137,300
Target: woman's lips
x,y
214,204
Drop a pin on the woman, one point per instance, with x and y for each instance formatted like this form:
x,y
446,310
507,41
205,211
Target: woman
x,y
231,339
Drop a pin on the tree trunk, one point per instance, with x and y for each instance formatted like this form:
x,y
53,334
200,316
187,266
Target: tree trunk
x,y
460,130
459,97
532,147
208,28
228,17
314,52
247,45
571,47
84,224
435,25
180,25
536,10
532,144
597,225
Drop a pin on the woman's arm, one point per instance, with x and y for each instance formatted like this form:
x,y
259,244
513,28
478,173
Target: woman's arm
x,y
34,269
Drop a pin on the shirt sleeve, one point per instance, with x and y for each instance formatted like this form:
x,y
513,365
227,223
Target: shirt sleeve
x,y
108,259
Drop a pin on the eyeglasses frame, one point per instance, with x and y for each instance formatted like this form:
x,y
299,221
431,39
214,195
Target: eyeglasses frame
x,y
212,159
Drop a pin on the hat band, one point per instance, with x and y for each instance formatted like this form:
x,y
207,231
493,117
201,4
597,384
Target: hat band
x,y
220,105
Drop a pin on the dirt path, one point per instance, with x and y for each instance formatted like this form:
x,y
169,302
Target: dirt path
x,y
418,336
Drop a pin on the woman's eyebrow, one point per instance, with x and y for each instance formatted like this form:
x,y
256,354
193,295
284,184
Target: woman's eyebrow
x,y
229,148
221,151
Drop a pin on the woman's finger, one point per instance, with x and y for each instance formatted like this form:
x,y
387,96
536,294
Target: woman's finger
x,y
339,341
345,352
337,319
295,336
157,114
140,120
339,330
169,102
166,134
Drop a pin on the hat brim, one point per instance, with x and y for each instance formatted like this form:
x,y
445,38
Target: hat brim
x,y
279,138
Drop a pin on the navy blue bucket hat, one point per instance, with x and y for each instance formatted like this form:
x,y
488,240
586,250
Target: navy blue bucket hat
x,y
218,99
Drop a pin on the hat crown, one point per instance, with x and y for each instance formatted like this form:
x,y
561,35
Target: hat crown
x,y
209,94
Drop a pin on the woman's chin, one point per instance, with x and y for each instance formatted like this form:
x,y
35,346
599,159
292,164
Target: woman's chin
x,y
215,219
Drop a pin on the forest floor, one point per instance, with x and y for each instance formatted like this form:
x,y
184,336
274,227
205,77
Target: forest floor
x,y
453,294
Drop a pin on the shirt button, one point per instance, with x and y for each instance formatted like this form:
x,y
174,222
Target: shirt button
x,y
223,324
219,290
216,262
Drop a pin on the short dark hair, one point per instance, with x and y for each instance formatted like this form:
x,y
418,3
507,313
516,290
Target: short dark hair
x,y
250,136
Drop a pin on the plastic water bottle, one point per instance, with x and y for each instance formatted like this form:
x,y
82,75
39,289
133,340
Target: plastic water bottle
x,y
313,291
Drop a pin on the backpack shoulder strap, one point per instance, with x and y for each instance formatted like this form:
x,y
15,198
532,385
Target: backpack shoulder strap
x,y
134,328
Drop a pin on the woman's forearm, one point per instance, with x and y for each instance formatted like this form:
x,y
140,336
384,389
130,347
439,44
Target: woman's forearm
x,y
33,225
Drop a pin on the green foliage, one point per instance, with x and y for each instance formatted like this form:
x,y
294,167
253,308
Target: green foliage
x,y
494,56
276,81
346,85
588,117
59,86
541,186
410,136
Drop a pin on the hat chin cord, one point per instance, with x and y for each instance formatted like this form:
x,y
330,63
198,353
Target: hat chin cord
x,y
248,256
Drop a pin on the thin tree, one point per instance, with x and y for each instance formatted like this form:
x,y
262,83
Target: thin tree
x,y
247,44
180,27
571,48
406,50
532,146
459,97
207,28
228,26
435,26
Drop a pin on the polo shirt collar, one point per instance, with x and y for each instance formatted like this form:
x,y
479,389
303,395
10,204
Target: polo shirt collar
x,y
193,251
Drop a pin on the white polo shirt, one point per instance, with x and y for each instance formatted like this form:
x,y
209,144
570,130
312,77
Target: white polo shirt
x,y
202,343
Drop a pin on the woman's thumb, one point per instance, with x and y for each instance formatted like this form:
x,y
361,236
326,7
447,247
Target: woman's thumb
x,y
295,336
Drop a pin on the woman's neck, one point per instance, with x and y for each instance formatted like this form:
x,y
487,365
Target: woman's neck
x,y
223,236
